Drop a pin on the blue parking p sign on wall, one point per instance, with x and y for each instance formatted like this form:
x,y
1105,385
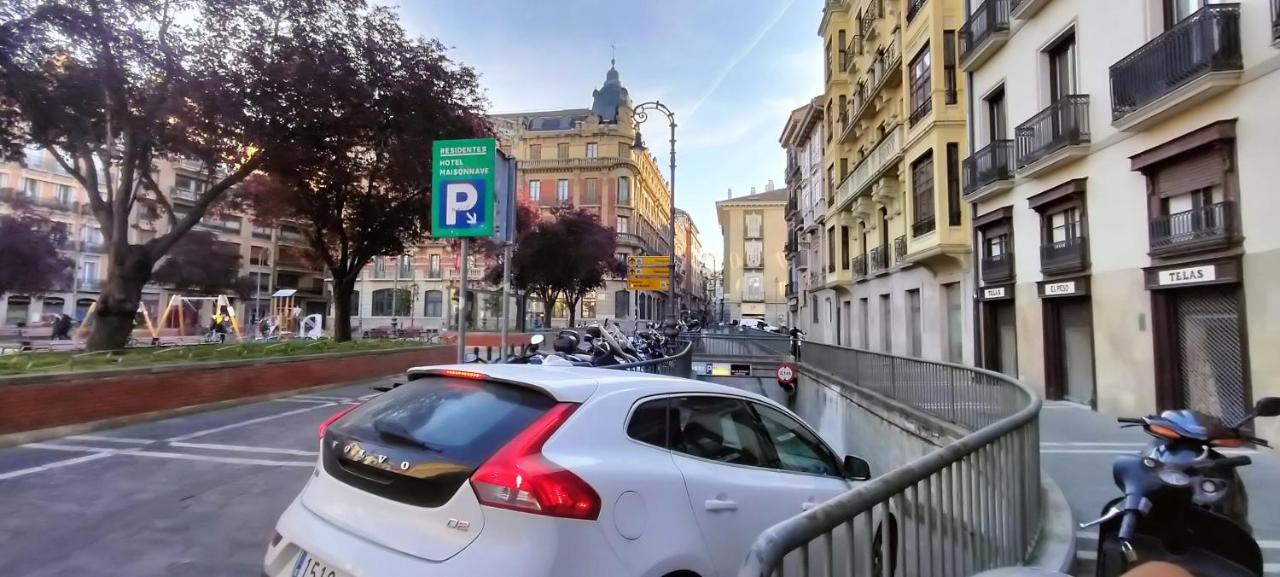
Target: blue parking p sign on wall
x,y
462,187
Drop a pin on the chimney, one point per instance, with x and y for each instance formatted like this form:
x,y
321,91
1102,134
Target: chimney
x,y
770,185
730,195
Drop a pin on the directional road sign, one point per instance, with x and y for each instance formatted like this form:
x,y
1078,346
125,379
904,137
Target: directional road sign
x,y
649,261
462,185
648,284
649,271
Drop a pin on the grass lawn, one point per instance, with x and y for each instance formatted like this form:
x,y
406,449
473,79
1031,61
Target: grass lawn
x,y
65,361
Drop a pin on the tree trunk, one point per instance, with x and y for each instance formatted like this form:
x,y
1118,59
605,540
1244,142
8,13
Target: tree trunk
x,y
117,306
342,309
522,310
573,309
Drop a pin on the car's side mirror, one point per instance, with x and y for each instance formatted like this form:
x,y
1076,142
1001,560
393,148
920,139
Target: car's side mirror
x,y
1267,407
856,468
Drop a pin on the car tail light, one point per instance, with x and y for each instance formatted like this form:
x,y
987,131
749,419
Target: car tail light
x,y
519,477
464,374
333,418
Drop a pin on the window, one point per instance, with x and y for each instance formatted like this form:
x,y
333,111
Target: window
x,y
433,304
89,272
753,287
389,302
535,152
588,306
62,193
433,266
915,322
922,195
813,307
997,126
562,190
624,225
624,190
949,65
1176,11
593,150
406,267
592,193
379,267
844,168
259,255
953,184
831,249
841,44
886,326
1062,68
535,190
353,307
621,304
19,310
753,251
798,449
719,429
921,85
844,247
826,67
997,245
753,222
624,150
30,188
91,235
1064,225
649,423
562,150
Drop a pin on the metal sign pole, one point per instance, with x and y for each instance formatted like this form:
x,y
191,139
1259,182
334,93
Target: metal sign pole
x,y
462,301
506,288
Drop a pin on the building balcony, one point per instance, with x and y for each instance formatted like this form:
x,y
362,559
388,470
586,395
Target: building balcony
x,y
989,170
1197,58
843,124
859,266
986,30
802,260
1064,256
900,249
884,71
1206,228
1025,9
923,226
997,269
913,8
1055,135
921,110
878,259
883,156
601,162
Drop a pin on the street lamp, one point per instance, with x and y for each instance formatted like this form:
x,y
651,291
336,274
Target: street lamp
x,y
640,114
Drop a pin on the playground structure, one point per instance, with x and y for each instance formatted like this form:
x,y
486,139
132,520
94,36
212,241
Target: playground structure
x,y
85,326
222,309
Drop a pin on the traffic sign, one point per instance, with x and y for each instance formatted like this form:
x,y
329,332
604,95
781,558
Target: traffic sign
x,y
648,284
786,374
462,185
649,271
649,261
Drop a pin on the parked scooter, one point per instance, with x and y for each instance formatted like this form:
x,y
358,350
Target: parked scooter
x,y
1183,502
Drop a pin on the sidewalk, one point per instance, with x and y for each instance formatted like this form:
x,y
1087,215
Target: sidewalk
x,y
1077,446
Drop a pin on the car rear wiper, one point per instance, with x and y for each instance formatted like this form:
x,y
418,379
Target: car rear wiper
x,y
395,430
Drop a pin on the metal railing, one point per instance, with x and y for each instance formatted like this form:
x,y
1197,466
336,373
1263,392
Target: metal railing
x,y
990,164
1063,255
1207,223
739,341
879,257
900,248
1205,42
859,266
924,105
969,506
925,225
678,364
988,18
1063,123
997,268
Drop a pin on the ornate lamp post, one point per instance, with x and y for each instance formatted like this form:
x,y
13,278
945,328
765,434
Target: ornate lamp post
x,y
640,114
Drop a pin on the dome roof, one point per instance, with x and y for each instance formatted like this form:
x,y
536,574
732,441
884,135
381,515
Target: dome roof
x,y
610,97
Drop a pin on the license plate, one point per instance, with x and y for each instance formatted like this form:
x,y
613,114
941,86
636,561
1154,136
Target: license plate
x,y
308,566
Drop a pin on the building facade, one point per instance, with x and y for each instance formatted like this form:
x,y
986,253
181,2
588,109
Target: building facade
x,y
804,140
584,158
691,276
273,256
894,245
1122,180
755,269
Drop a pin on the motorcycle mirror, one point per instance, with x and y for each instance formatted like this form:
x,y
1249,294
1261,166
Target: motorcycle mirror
x,y
1267,407
536,339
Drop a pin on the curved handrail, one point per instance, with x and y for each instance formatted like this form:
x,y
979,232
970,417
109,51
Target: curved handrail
x,y
674,363
1003,454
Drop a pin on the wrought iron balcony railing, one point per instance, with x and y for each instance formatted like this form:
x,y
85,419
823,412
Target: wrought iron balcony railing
x,y
900,248
879,257
1064,123
1205,226
1065,255
997,268
988,18
991,163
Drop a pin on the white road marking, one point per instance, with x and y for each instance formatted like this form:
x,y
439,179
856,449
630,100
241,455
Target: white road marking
x,y
246,423
299,400
211,459
320,398
55,465
129,440
368,396
69,447
244,449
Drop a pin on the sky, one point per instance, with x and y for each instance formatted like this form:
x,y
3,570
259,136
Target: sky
x,y
730,70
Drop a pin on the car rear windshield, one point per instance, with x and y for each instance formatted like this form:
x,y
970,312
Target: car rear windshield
x,y
419,442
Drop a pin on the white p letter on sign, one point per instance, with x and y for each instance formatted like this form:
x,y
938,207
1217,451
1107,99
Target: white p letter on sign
x,y
459,197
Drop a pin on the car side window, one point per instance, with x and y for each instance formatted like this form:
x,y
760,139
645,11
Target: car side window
x,y
720,429
798,449
649,422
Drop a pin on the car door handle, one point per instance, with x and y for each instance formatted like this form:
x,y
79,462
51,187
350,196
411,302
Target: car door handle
x,y
720,505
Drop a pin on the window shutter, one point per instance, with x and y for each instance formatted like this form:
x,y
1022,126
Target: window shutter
x,y
1190,172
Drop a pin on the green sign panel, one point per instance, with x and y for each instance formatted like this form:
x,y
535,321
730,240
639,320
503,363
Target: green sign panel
x,y
462,187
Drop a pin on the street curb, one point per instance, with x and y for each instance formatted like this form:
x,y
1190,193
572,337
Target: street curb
x,y
24,437
1056,546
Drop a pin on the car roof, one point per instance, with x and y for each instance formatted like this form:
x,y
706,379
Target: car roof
x,y
577,384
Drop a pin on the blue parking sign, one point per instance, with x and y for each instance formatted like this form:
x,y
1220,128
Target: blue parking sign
x,y
462,187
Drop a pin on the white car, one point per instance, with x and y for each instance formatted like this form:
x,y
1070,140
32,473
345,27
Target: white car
x,y
476,470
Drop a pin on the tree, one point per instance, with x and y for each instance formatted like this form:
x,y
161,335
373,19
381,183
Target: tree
x,y
201,264
29,259
360,177
110,88
568,255
527,217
